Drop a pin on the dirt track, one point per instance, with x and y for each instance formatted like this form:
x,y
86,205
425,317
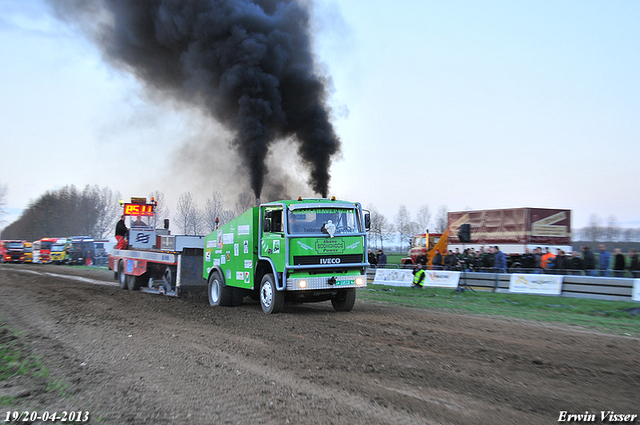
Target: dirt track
x,y
133,358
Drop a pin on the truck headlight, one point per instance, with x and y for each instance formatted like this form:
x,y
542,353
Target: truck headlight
x,y
359,281
302,284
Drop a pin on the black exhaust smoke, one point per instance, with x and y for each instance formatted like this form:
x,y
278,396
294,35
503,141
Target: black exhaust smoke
x,y
249,63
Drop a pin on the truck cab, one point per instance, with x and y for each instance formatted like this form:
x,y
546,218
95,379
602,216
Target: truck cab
x,y
81,248
13,251
421,244
60,251
28,256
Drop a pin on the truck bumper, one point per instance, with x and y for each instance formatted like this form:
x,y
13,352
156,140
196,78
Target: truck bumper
x,y
335,282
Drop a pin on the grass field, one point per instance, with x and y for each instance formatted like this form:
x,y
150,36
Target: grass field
x,y
618,317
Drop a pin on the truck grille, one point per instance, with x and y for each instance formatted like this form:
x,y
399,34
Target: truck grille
x,y
306,260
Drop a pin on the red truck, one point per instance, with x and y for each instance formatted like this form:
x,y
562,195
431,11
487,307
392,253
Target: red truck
x,y
11,251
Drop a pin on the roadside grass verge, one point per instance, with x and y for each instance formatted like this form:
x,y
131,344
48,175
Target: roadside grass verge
x,y
617,317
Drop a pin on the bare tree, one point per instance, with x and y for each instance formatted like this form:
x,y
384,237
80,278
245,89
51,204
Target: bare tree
x,y
189,218
423,218
612,231
3,202
404,226
593,231
244,202
108,213
162,209
381,230
213,209
441,220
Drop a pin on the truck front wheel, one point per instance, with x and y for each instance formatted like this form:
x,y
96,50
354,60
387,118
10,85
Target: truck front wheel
x,y
271,299
219,294
344,300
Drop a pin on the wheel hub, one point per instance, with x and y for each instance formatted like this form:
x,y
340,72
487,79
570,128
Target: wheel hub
x,y
266,295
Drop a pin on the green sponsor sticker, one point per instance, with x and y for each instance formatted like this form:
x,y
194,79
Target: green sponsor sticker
x,y
345,282
329,246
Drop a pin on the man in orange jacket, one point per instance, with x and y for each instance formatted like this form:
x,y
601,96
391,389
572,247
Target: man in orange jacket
x,y
546,258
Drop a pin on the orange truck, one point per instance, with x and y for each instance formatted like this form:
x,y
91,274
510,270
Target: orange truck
x,y
425,244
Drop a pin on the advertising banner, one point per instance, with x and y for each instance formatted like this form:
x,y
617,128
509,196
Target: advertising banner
x,y
542,284
442,279
635,295
404,277
393,277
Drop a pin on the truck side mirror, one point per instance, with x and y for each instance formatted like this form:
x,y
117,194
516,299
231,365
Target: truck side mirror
x,y
367,221
166,223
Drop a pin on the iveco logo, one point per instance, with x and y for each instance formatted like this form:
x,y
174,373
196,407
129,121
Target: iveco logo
x,y
329,261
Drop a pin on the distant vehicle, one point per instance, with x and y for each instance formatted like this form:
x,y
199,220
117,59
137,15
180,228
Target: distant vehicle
x,y
28,256
42,250
60,251
423,244
12,251
102,248
81,248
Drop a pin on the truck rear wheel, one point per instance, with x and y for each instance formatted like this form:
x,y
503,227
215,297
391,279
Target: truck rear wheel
x,y
271,299
133,282
219,293
344,300
122,278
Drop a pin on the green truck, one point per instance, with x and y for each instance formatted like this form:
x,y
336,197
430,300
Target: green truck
x,y
303,250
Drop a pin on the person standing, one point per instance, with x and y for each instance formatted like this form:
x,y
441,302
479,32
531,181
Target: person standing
x,y
500,260
561,262
418,276
634,267
372,259
528,261
450,261
537,254
588,261
575,263
605,260
546,261
121,233
437,260
382,259
618,262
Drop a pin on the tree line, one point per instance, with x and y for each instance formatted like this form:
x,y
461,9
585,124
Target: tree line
x,y
403,226
94,211
69,211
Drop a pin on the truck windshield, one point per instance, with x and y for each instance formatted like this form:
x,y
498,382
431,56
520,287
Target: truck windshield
x,y
46,245
57,248
15,245
308,220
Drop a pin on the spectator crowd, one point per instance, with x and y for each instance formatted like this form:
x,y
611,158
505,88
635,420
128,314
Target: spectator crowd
x,y
491,259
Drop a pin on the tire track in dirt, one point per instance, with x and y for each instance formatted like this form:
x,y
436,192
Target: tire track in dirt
x,y
152,359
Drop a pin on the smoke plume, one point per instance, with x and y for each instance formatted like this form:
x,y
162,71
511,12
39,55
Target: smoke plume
x,y
248,63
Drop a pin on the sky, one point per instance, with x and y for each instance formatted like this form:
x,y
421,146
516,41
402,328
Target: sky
x,y
461,104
